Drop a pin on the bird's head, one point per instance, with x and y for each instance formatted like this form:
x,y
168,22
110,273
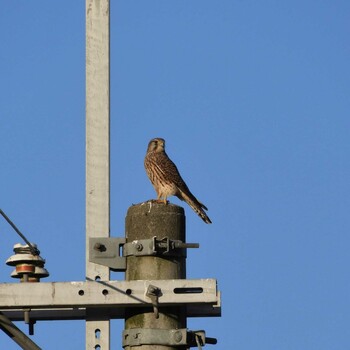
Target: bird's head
x,y
156,145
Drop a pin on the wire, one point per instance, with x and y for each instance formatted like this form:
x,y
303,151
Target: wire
x,y
34,250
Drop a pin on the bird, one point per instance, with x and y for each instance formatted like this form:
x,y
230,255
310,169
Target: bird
x,y
167,180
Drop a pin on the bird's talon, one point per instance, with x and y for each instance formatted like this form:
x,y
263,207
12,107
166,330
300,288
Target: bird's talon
x,y
161,201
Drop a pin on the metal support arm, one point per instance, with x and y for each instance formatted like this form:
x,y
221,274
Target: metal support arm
x,y
71,300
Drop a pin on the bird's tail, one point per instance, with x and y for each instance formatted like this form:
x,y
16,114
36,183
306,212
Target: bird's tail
x,y
196,205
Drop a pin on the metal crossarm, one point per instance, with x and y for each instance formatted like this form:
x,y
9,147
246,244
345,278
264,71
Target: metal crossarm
x,y
63,300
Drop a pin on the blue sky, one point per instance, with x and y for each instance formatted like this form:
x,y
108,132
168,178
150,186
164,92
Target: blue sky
x,y
252,98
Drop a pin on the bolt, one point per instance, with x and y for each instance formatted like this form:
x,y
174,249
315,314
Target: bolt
x,y
139,247
100,247
152,289
177,336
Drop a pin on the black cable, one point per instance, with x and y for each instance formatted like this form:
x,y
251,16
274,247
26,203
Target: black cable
x,y
34,250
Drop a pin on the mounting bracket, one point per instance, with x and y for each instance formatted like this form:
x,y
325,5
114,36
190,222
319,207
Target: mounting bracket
x,y
106,251
112,252
168,337
155,246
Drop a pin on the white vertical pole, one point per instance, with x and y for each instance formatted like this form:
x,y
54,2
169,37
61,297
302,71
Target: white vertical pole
x,y
97,152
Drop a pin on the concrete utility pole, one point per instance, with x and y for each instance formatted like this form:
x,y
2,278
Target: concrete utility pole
x,y
97,153
143,222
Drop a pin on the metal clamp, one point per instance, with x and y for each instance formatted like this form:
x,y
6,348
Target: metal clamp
x,y
168,337
112,252
154,246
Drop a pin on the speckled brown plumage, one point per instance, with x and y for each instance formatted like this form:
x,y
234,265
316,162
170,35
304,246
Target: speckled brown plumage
x,y
167,180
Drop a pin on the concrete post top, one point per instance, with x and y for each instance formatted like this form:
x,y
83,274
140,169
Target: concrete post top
x,y
154,208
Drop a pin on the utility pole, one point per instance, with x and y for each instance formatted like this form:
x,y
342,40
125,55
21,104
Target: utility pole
x,y
143,222
97,153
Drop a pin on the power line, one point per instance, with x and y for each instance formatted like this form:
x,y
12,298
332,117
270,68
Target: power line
x,y
33,249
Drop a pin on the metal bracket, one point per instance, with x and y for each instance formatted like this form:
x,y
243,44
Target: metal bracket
x,y
167,337
198,338
106,251
154,293
112,252
154,246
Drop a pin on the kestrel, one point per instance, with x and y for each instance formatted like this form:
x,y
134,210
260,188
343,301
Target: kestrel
x,y
167,180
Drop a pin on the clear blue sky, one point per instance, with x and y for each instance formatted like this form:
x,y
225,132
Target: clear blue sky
x,y
252,98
